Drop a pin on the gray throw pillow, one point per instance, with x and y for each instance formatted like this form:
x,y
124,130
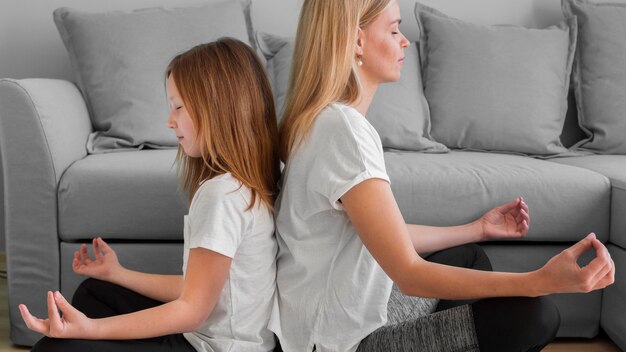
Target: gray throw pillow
x,y
120,59
399,111
599,74
497,88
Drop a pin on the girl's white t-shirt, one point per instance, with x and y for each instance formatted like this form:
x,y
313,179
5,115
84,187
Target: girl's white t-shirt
x,y
218,221
331,292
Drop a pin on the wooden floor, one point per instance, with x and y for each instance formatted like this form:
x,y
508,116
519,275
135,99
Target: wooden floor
x,y
599,344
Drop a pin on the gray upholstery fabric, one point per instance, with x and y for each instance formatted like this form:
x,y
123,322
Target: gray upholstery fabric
x,y
613,302
124,195
120,60
580,313
500,88
149,257
613,167
399,111
455,188
599,75
41,134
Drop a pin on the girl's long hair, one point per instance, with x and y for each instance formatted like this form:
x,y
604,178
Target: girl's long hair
x,y
225,90
323,67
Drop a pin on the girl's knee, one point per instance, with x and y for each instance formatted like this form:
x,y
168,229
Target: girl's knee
x,y
88,287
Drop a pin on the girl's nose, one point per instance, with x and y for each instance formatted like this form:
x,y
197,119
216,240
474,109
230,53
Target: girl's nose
x,y
170,122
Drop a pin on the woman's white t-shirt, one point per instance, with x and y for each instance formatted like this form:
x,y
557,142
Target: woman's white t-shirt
x,y
218,221
331,292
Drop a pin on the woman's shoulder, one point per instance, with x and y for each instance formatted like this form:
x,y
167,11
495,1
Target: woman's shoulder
x,y
338,117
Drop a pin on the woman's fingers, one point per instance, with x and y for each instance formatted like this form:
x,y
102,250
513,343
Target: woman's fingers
x,y
505,208
84,255
105,246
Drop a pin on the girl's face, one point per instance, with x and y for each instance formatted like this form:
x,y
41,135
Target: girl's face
x,y
381,46
180,121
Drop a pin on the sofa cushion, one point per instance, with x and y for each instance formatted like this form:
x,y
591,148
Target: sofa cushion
x,y
613,167
501,88
399,111
122,195
599,74
120,59
458,187
613,302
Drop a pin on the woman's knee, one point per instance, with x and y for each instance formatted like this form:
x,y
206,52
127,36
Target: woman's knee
x,y
515,323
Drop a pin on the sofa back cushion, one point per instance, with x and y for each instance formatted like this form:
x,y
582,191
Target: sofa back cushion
x,y
399,111
499,88
120,59
599,74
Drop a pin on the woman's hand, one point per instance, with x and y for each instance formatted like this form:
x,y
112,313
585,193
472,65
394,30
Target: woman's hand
x,y
102,267
73,324
561,274
510,220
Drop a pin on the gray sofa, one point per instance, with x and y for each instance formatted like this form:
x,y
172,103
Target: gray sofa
x,y
57,196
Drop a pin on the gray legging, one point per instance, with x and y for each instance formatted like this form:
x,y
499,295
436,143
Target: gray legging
x,y
496,324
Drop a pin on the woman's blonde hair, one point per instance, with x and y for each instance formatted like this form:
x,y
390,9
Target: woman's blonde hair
x,y
225,90
323,67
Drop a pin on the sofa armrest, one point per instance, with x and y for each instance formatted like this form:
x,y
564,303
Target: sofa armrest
x,y
44,127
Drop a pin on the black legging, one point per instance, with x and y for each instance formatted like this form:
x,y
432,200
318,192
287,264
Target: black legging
x,y
502,324
99,299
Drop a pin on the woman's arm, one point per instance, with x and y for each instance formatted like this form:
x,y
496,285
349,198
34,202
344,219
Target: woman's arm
x,y
375,215
106,267
507,221
206,274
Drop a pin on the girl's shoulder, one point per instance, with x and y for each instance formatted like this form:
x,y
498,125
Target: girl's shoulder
x,y
222,188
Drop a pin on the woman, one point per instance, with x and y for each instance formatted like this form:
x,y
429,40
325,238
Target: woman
x,y
343,241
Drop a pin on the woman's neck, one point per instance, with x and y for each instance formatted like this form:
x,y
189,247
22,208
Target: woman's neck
x,y
368,89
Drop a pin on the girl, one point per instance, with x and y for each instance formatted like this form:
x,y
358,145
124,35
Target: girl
x,y
343,241
229,165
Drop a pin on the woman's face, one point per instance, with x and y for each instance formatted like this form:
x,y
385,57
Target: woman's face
x,y
180,121
382,46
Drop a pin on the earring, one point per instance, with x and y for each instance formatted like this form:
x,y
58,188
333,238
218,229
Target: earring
x,y
359,60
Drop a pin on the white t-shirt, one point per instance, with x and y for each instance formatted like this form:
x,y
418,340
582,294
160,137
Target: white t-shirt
x,y
331,291
218,221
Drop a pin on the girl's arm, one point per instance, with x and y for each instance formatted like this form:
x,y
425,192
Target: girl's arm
x,y
206,274
507,221
106,267
375,215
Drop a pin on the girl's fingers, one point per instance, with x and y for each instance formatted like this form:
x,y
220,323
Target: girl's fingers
x,y
63,305
53,313
32,322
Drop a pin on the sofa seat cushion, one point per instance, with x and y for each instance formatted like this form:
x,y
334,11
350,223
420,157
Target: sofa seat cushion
x,y
122,195
613,167
565,202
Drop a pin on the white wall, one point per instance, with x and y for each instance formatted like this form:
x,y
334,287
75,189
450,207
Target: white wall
x,y
31,47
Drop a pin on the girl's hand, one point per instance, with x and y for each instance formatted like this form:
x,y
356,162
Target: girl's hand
x,y
102,267
510,220
561,274
73,324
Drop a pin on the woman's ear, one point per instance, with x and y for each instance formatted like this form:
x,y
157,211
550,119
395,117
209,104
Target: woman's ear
x,y
360,38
